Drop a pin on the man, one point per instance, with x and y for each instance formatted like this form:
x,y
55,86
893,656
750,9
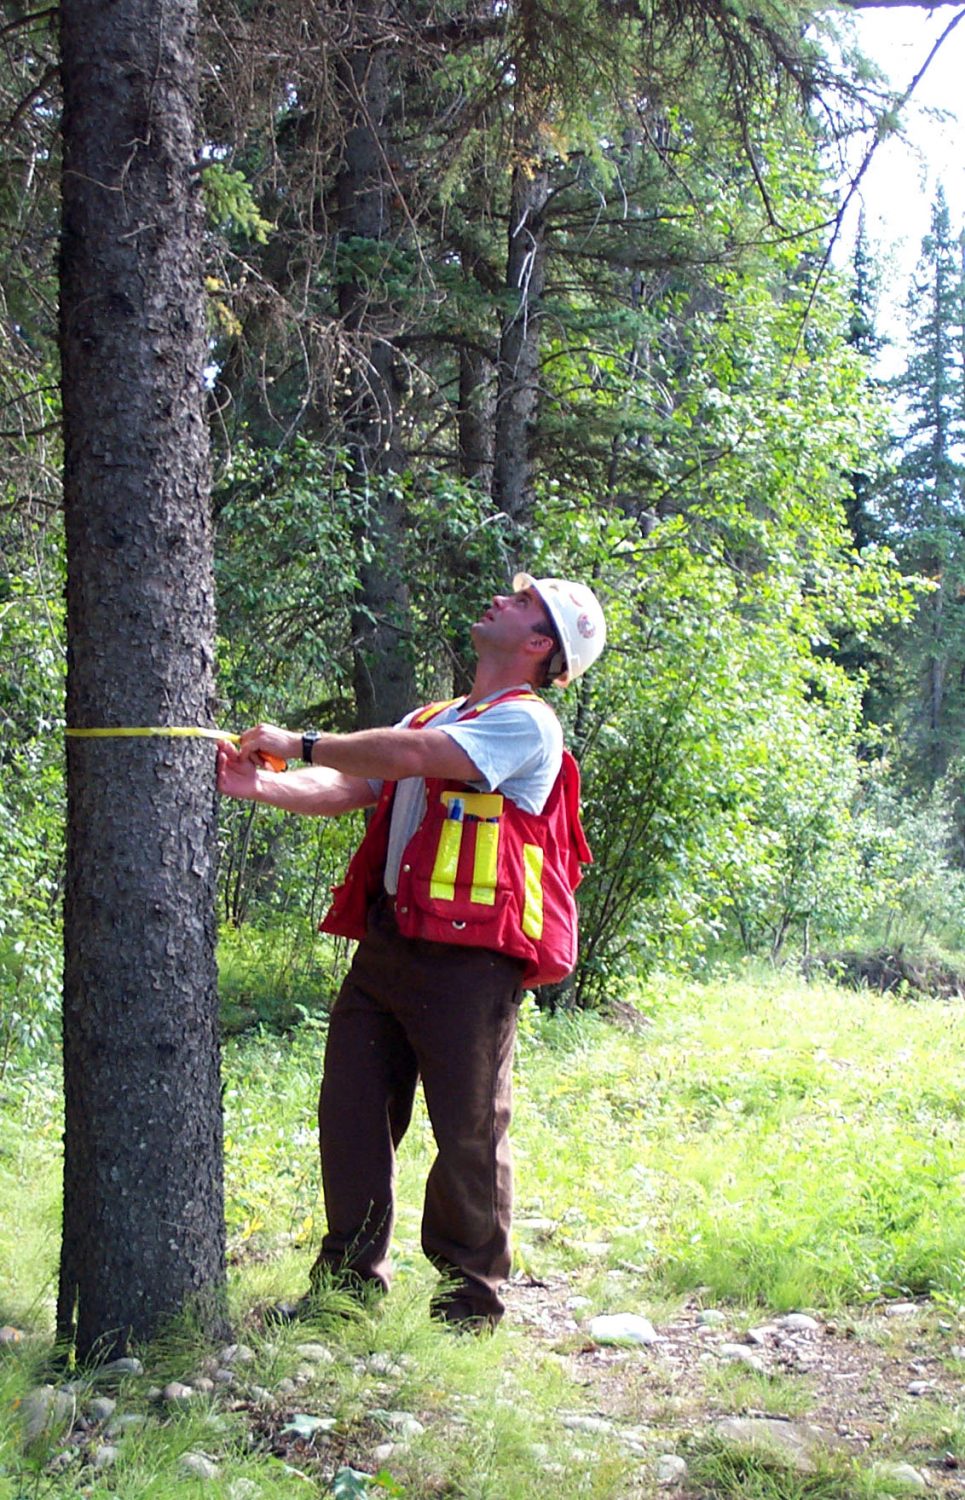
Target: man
x,y
460,893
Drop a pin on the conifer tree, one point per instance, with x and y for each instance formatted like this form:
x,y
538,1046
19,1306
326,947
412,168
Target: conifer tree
x,y
924,510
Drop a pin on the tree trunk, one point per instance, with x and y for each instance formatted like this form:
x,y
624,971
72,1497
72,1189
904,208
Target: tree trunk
x,y
519,346
144,1236
384,676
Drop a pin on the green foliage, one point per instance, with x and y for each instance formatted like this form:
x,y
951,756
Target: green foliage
x,y
230,204
31,787
275,974
921,511
910,850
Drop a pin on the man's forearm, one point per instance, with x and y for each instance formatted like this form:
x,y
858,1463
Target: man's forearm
x,y
379,754
316,792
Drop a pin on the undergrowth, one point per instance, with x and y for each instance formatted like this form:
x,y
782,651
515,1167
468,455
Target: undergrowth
x,y
760,1143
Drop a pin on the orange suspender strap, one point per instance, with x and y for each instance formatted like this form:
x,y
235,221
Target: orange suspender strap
x,y
424,716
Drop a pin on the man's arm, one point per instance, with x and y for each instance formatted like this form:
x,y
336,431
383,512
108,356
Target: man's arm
x,y
315,792
382,754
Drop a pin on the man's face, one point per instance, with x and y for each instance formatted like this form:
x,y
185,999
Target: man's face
x,y
510,621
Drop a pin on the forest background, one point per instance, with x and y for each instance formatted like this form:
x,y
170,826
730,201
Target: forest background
x,y
550,288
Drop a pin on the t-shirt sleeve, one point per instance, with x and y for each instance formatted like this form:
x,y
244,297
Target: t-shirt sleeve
x,y
517,749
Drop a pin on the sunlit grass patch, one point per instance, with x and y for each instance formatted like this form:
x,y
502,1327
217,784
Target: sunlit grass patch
x,y
728,1471
733,1388
935,1426
30,1190
776,1142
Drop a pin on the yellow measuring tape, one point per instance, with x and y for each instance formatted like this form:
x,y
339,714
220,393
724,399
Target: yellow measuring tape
x,y
176,731
173,732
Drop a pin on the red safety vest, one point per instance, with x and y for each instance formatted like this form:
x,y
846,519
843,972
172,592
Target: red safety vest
x,y
478,870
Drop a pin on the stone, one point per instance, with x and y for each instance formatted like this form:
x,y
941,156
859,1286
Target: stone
x,y
105,1455
243,1489
796,1442
536,1225
126,1421
622,1328
711,1317
10,1335
760,1336
203,1384
671,1469
920,1387
383,1451
46,1412
307,1425
128,1365
587,1424
315,1354
906,1478
285,1387
236,1354
200,1465
177,1392
62,1461
957,1351
259,1394
901,1310
402,1422
576,1304
102,1408
798,1322
224,1377
740,1354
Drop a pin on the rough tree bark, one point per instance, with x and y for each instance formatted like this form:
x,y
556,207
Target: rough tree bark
x,y
144,1234
519,345
384,677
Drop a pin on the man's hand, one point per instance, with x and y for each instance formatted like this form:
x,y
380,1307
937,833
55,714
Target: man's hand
x,y
237,776
268,739
317,792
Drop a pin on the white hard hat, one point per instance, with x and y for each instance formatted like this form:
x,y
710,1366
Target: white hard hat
x,y
575,612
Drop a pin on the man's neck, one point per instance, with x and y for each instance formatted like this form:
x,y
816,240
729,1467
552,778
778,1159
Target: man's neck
x,y
493,678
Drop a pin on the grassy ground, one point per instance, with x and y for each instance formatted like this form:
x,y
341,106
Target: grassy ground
x,y
756,1146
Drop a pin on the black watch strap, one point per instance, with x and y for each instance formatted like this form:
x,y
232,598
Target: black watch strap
x,y
308,745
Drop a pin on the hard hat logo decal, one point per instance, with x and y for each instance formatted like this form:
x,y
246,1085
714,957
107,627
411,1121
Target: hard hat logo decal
x,y
586,627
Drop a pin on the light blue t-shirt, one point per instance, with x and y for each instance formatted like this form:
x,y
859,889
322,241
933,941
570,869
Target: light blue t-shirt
x,y
516,746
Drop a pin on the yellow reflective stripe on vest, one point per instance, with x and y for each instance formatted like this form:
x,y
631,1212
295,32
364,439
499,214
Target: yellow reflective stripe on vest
x,y
533,891
483,890
422,715
442,885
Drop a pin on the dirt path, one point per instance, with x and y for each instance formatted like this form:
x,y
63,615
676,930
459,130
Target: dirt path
x,y
884,1383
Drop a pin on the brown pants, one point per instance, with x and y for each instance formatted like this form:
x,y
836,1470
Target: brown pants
x,y
408,1010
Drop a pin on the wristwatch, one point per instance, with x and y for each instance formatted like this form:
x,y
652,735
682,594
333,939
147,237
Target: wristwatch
x,y
308,744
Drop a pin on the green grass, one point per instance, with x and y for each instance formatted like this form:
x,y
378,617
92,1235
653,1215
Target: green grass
x,y
761,1143
788,1145
725,1472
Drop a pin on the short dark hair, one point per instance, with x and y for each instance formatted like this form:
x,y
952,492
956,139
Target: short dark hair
x,y
546,674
